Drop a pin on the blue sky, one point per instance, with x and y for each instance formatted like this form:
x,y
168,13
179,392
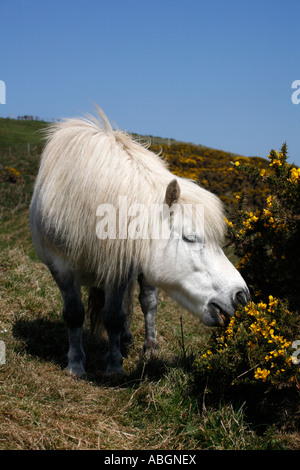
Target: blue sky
x,y
215,72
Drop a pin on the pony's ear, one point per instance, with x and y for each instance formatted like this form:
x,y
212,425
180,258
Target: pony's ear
x,y
172,192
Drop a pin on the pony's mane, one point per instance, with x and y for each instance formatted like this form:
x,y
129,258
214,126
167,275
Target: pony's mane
x,y
86,162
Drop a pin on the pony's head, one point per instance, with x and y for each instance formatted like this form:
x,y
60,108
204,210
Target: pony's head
x,y
189,264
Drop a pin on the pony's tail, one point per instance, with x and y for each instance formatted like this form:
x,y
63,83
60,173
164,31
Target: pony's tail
x,y
96,301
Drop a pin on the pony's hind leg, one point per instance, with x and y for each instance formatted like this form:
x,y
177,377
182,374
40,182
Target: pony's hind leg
x,y
73,314
148,298
115,323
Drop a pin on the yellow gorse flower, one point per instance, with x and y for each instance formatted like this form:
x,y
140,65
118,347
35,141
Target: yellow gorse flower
x,y
294,175
230,224
277,159
261,374
266,345
13,171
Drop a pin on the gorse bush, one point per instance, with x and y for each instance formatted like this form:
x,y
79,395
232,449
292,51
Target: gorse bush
x,y
10,175
257,346
267,240
212,170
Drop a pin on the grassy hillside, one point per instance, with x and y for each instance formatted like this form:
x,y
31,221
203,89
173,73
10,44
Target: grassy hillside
x,y
157,405
17,134
213,169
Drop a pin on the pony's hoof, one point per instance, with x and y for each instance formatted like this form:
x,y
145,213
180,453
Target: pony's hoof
x,y
150,347
76,369
114,372
115,377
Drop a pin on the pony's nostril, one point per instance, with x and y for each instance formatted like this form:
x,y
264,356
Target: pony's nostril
x,y
242,297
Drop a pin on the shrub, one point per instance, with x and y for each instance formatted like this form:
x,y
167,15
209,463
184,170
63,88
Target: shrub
x,y
267,240
10,175
211,169
257,345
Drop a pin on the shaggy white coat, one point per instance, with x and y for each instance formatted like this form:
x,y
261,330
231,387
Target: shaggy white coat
x,y
85,163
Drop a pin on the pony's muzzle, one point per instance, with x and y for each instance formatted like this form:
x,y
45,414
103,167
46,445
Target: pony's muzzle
x,y
218,313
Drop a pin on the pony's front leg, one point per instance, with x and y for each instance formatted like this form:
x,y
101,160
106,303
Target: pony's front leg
x,y
148,298
76,355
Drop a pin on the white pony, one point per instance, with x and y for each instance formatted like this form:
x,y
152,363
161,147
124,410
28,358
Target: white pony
x,y
99,203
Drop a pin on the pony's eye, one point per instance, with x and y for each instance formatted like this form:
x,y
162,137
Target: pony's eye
x,y
189,238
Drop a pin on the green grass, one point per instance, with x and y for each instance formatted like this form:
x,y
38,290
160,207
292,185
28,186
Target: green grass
x,y
157,405
17,134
